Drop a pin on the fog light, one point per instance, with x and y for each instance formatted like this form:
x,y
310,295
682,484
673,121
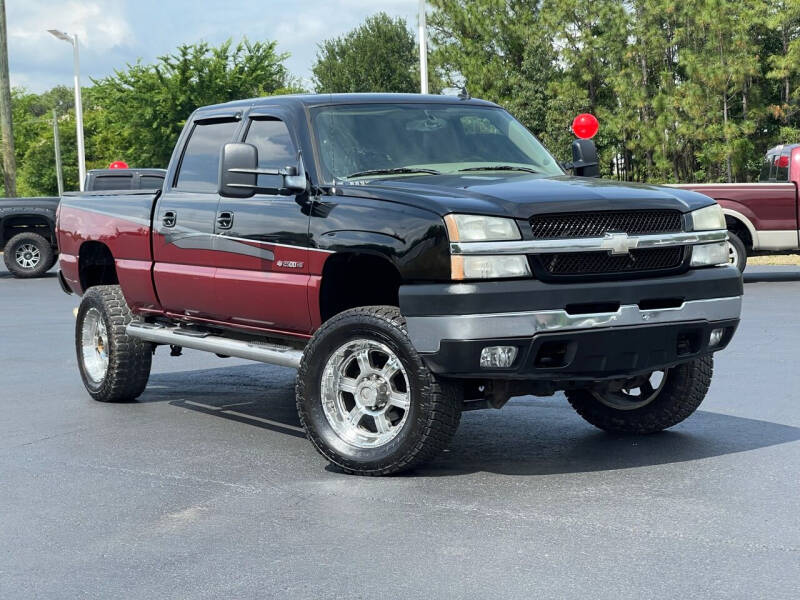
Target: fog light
x,y
715,339
498,357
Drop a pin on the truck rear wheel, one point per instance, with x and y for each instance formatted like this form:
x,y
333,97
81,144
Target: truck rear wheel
x,y
367,401
114,366
28,255
646,404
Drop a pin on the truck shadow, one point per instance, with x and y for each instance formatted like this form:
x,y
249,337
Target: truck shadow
x,y
4,274
758,276
530,436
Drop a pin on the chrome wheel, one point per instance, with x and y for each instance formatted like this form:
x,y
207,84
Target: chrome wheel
x,y
94,345
733,255
634,393
365,393
28,256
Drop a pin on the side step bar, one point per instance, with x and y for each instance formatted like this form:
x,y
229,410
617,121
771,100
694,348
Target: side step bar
x,y
274,354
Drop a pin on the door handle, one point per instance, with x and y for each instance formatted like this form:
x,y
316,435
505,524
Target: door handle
x,y
225,220
169,218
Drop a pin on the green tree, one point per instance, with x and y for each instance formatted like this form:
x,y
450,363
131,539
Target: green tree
x,y
378,56
144,107
499,50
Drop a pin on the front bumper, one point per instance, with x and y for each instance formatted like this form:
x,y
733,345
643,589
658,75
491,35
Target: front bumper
x,y
579,331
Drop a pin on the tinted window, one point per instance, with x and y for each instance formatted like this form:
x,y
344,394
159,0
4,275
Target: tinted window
x,y
200,165
151,182
448,138
112,182
766,167
782,168
275,148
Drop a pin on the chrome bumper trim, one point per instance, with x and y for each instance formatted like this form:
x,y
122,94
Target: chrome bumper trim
x,y
426,333
616,243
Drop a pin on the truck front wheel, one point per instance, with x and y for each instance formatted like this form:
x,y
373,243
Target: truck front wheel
x,y
367,401
114,366
649,403
737,252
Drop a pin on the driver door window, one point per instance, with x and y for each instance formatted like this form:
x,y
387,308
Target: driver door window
x,y
275,148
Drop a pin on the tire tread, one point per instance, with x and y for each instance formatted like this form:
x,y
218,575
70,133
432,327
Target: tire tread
x,y
681,397
130,359
441,420
47,255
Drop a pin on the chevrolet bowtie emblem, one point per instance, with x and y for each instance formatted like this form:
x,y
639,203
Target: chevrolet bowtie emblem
x,y
619,243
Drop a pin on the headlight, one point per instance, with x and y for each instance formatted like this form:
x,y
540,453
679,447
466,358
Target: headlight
x,y
709,255
489,267
476,228
710,217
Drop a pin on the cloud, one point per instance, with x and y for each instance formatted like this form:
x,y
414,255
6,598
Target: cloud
x,y
113,34
39,61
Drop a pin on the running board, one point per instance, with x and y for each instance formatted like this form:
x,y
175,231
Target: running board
x,y
274,354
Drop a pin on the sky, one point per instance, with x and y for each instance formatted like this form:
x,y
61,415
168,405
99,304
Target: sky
x,y
113,33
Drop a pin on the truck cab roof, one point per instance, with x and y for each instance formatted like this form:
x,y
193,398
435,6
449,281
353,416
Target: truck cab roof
x,y
310,100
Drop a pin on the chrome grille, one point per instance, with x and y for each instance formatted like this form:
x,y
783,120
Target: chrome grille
x,y
597,224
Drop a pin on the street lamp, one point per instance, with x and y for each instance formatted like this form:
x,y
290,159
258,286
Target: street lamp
x,y
73,39
423,50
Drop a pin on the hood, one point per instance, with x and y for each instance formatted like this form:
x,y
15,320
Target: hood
x,y
523,195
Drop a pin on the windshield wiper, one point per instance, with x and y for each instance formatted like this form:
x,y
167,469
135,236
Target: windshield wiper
x,y
394,171
500,168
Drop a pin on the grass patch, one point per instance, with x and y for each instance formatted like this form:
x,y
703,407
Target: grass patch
x,y
787,259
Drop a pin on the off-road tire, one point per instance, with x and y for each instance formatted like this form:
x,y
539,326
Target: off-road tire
x,y
46,255
129,359
741,251
435,404
684,390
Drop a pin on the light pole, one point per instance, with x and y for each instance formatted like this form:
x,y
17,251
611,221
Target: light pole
x,y
73,39
423,50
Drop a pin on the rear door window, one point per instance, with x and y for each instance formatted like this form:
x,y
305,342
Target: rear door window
x,y
151,182
199,169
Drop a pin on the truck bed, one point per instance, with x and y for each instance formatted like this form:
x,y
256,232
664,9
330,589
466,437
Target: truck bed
x,y
119,220
767,210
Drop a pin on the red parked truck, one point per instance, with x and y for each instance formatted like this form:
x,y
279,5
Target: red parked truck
x,y
762,218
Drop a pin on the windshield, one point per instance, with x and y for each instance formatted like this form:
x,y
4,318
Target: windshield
x,y
368,141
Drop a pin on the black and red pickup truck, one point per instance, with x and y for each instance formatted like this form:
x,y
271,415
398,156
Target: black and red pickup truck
x,y
414,257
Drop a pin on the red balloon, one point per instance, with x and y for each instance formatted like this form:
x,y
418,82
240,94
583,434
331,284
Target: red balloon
x,y
585,126
118,164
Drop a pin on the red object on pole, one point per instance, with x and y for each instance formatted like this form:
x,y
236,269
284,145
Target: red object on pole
x,y
585,126
118,164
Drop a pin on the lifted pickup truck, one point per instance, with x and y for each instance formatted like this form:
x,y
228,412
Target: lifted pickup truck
x,y
413,256
762,218
27,225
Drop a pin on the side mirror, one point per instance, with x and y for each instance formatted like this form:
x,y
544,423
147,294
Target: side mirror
x,y
237,164
584,159
238,174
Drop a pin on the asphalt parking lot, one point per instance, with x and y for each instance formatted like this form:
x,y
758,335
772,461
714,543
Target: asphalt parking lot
x,y
207,488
